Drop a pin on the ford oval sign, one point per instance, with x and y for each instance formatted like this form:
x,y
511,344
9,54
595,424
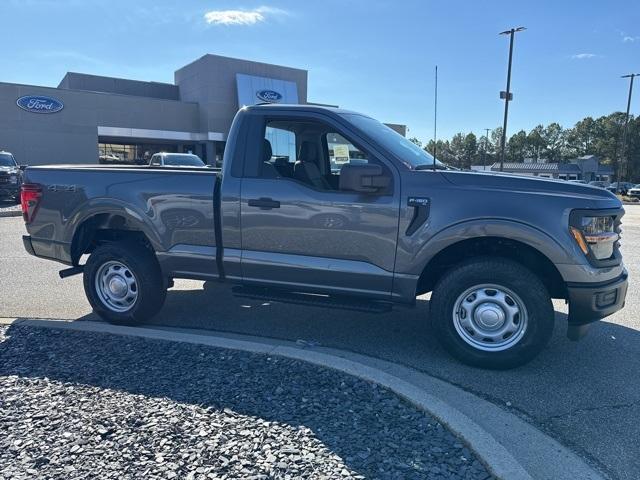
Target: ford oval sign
x,y
269,96
39,104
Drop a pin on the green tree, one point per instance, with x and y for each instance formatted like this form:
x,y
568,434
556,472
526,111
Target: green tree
x,y
555,139
582,137
517,147
608,142
536,143
443,152
416,141
469,150
457,149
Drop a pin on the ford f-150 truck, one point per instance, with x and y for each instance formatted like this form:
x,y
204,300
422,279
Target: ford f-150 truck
x,y
323,206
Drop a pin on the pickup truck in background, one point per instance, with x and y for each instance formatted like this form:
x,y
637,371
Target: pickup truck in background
x,y
10,177
322,206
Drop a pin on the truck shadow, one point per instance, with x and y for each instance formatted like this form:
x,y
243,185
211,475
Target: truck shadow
x,y
365,426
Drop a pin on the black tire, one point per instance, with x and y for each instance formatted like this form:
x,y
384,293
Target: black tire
x,y
501,272
149,285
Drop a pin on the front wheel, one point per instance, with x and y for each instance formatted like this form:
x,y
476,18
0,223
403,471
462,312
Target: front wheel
x,y
492,313
123,283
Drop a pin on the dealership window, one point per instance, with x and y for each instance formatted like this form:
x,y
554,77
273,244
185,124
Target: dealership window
x,y
134,154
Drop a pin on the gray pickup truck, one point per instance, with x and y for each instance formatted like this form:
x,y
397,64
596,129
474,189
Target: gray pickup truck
x,y
327,207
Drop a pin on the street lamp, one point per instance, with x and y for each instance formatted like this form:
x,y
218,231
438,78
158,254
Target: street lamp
x,y
507,94
623,155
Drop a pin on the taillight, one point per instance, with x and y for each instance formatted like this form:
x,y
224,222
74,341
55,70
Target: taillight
x,y
30,194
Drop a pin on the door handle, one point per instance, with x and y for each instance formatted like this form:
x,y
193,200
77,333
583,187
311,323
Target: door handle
x,y
264,203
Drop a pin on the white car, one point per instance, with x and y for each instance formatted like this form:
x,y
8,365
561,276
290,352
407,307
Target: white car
x,y
634,192
164,159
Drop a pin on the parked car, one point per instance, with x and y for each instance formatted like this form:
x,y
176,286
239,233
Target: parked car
x,y
10,177
634,192
175,160
584,182
624,187
598,183
371,236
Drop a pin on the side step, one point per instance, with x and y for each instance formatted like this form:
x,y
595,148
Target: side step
x,y
311,299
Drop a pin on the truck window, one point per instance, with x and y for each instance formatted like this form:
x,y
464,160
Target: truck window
x,y
308,152
282,142
341,151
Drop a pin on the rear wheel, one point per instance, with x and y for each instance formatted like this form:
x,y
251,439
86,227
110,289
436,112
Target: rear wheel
x,y
123,283
492,313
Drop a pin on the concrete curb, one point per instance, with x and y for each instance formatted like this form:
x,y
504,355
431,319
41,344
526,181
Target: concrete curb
x,y
509,447
11,213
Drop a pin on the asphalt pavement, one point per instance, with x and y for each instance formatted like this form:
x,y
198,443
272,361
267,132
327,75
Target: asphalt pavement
x,y
585,394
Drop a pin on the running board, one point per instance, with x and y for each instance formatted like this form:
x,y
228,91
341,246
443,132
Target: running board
x,y
312,300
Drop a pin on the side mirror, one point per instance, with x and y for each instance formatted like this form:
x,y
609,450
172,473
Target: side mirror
x,y
23,167
367,178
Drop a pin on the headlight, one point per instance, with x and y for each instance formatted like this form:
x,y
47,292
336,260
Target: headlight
x,y
596,235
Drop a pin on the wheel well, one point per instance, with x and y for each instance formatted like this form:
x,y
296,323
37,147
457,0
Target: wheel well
x,y
102,228
496,246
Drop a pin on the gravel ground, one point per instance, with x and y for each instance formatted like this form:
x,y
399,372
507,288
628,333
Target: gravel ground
x,y
80,405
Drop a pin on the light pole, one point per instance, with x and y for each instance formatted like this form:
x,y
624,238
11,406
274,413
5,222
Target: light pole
x,y
507,95
484,150
623,156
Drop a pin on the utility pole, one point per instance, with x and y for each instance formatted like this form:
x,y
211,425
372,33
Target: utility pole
x,y
484,150
623,157
507,95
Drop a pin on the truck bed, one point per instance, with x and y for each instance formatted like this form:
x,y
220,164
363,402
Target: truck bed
x,y
172,206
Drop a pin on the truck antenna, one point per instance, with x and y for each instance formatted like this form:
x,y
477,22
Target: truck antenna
x,y
435,121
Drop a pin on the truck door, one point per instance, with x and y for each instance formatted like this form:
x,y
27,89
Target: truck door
x,y
299,229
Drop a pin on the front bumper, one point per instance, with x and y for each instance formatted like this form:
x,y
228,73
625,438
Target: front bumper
x,y
589,302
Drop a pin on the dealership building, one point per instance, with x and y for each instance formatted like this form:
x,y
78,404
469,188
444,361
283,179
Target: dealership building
x,y
89,118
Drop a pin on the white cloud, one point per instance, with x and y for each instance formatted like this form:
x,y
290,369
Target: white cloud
x,y
629,38
584,56
242,17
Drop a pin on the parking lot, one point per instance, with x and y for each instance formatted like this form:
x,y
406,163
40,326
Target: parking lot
x,y
585,394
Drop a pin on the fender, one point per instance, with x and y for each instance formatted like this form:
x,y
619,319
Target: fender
x,y
136,220
492,227
409,265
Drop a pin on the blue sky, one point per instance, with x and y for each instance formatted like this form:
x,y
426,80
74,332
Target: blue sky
x,y
367,55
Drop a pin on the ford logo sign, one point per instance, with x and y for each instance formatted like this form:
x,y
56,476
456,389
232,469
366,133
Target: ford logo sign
x,y
39,104
269,96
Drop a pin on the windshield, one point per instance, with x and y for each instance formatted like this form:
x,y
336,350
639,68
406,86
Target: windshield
x,y
185,160
410,153
6,160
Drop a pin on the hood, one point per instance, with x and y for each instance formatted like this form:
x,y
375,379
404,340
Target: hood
x,y
521,184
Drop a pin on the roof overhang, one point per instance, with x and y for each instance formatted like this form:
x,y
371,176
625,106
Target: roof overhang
x,y
126,132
